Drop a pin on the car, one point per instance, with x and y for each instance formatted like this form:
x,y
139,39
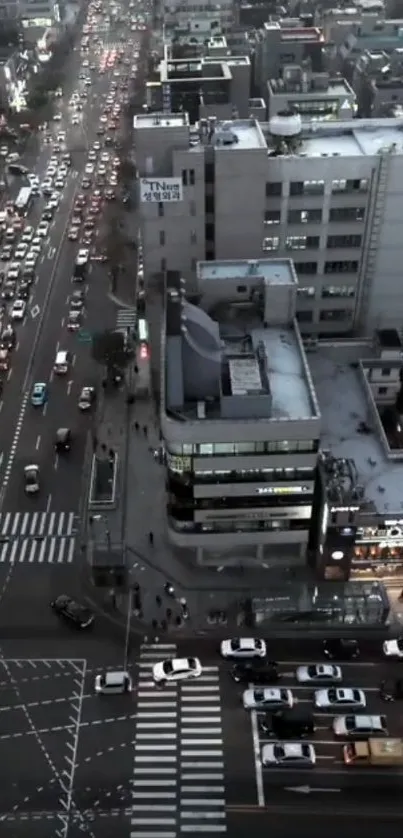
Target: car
x,y
24,290
288,724
110,194
59,183
39,395
105,156
72,611
4,359
83,256
27,235
9,289
42,229
113,683
341,649
176,669
18,310
87,398
75,120
6,253
63,440
254,673
391,689
339,697
36,245
92,155
31,479
314,672
393,648
73,234
86,183
8,338
30,263
21,251
77,299
359,726
74,321
101,169
289,754
89,169
243,648
267,697
14,271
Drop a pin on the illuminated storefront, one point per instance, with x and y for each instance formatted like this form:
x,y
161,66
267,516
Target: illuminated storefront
x,y
378,551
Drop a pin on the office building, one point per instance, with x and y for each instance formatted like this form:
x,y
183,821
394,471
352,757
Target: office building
x,y
239,417
327,195
283,42
378,83
316,96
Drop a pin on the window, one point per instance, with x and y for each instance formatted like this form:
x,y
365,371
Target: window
x,y
344,241
382,391
273,189
350,185
209,204
271,243
162,238
192,177
160,210
306,291
272,217
335,315
385,372
241,289
304,316
306,268
163,265
302,242
304,216
307,187
210,232
346,266
347,214
184,177
193,264
193,237
192,208
338,291
209,173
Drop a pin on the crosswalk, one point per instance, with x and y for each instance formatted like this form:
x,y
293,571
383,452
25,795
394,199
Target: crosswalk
x,y
38,537
178,774
126,319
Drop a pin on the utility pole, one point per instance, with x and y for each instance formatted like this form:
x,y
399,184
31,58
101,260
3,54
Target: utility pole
x,y
128,626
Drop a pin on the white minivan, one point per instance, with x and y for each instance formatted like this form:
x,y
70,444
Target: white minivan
x,y
61,365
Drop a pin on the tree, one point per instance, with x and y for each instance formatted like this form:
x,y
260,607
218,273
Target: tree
x,y
108,349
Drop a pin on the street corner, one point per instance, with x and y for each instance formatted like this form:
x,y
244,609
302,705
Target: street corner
x,y
40,709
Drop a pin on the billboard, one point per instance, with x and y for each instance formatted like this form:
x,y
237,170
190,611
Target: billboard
x,y
164,191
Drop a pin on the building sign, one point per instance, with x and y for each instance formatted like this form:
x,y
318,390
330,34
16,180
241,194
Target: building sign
x,y
283,490
164,191
264,514
390,535
166,98
178,463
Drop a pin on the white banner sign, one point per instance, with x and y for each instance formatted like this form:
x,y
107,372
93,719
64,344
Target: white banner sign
x,y
164,191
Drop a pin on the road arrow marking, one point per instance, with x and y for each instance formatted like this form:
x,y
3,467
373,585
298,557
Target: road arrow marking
x,y
309,789
35,311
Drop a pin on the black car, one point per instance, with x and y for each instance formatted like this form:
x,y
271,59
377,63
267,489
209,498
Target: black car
x,y
47,215
252,673
341,649
72,611
63,440
391,689
8,291
23,290
288,724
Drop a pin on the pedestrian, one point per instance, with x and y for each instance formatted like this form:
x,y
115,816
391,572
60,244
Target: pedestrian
x,y
158,600
151,537
169,613
136,427
145,430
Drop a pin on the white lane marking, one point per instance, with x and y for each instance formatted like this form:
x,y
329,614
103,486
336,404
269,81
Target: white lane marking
x,y
258,762
14,446
38,441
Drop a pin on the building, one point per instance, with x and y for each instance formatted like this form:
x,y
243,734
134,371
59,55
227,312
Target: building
x,y
315,96
239,416
327,195
378,82
28,10
217,84
199,20
353,31
283,42
359,391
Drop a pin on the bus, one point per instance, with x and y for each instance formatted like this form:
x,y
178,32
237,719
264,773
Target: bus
x,y
24,200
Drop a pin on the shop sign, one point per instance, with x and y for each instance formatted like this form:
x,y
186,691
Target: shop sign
x,y
389,535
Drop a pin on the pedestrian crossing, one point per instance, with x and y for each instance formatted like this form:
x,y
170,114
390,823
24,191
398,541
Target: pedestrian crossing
x,y
126,319
178,774
38,537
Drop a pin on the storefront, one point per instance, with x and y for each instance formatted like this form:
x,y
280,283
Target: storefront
x,y
378,552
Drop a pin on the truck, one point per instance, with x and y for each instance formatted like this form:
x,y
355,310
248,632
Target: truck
x,y
380,752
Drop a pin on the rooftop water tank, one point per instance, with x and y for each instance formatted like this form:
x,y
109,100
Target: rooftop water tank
x,y
285,124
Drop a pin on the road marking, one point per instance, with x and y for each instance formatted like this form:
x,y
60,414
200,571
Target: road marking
x,y
35,310
258,762
38,441
14,446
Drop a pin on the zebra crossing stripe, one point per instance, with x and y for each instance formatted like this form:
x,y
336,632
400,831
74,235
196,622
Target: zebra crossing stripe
x,y
30,524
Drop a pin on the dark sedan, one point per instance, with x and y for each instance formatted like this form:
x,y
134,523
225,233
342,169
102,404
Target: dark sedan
x,y
72,612
252,673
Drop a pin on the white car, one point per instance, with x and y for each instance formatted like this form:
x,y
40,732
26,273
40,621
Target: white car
x,y
177,669
92,155
339,697
75,120
47,185
102,169
42,229
113,683
289,754
57,117
242,648
104,157
32,179
89,169
36,245
31,478
97,145
73,234
315,672
360,726
18,310
20,251
267,698
51,171
27,235
393,648
14,271
31,259
59,183
82,256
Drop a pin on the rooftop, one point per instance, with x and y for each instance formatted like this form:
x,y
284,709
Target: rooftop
x,y
354,138
344,407
327,90
275,271
159,120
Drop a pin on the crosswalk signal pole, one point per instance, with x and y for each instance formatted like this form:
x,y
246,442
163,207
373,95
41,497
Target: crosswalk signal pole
x,y
128,626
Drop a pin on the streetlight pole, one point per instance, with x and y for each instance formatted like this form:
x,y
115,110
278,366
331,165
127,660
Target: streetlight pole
x,y
128,626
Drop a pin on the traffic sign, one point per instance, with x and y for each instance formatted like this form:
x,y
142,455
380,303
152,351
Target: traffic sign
x,y
84,337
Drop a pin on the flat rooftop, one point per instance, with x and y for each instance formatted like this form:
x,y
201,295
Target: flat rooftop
x,y
246,133
343,407
336,87
160,120
352,141
275,271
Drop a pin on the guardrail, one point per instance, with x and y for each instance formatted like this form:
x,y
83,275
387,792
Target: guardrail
x,y
103,481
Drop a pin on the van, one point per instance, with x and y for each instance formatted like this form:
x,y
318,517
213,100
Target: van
x,y
61,365
288,724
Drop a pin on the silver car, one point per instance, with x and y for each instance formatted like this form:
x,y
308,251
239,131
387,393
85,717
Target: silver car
x,y
339,697
267,698
359,726
289,754
319,672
